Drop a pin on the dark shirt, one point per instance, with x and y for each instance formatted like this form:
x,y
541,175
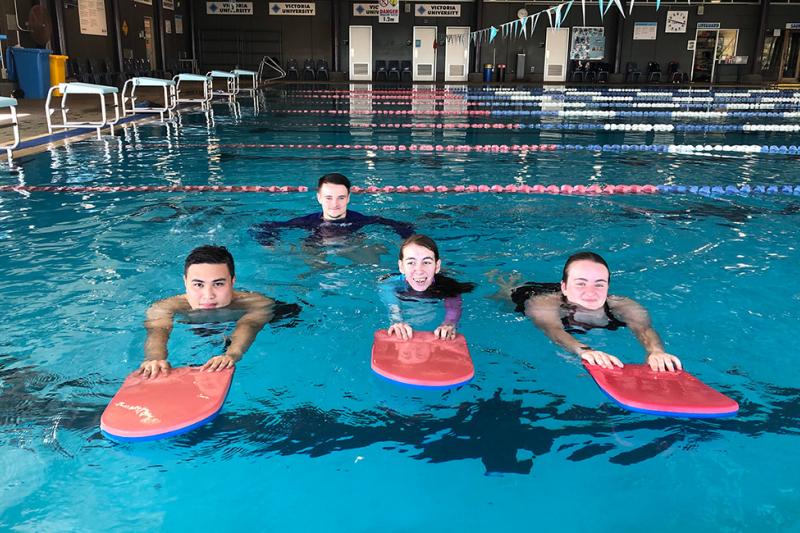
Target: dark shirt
x,y
267,233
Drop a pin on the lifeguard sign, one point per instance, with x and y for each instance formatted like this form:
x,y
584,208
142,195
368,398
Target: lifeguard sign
x,y
389,11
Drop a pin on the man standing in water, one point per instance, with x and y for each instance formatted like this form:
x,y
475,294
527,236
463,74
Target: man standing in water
x,y
335,225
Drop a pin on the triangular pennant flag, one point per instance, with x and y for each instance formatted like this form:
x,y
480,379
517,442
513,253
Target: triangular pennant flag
x,y
600,5
619,6
535,21
658,4
630,9
550,17
492,33
558,16
566,12
524,29
583,10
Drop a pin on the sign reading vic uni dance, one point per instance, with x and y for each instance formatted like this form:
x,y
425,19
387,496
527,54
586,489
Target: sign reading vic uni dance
x,y
437,10
229,8
307,9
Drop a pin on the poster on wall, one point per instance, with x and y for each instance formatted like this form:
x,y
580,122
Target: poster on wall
x,y
437,10
676,22
306,9
167,26
365,10
168,4
92,17
588,43
178,23
645,31
389,11
229,8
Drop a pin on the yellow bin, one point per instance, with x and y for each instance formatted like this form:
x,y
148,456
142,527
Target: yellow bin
x,y
58,70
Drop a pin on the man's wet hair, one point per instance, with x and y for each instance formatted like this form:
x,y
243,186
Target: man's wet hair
x,y
583,256
421,240
334,178
211,255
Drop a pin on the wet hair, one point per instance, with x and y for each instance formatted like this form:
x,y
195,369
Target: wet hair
x,y
420,240
443,286
583,256
334,178
212,255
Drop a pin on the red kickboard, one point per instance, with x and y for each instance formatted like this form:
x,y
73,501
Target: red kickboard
x,y
422,360
638,388
149,409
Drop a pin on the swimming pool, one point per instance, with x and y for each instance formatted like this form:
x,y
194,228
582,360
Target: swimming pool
x,y
310,438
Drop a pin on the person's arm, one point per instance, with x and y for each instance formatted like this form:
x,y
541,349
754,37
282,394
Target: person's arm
x,y
403,229
267,233
545,312
158,324
452,314
388,294
259,310
638,320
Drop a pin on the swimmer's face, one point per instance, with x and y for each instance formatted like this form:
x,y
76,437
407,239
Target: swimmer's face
x,y
208,286
334,199
586,285
419,265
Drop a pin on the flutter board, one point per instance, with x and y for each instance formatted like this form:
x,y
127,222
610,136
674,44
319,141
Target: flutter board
x,y
638,388
422,360
150,409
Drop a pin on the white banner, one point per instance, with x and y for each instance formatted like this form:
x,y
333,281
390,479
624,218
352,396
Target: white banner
x,y
645,31
389,11
306,9
92,17
365,10
168,4
437,10
229,8
178,23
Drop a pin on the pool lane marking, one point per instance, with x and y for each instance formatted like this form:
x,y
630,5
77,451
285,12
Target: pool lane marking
x,y
572,190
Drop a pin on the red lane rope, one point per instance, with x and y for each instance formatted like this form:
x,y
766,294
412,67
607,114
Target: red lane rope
x,y
524,189
398,125
380,148
471,112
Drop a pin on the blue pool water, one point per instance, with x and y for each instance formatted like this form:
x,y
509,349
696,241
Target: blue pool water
x,y
310,438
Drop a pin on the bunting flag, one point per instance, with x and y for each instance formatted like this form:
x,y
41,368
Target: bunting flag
x,y
558,15
549,16
535,21
583,11
492,33
524,27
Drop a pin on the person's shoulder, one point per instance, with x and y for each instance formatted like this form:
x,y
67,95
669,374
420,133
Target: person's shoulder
x,y
549,300
250,299
355,215
173,304
309,218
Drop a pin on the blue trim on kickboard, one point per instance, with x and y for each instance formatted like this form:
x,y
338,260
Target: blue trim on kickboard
x,y
158,436
672,414
423,387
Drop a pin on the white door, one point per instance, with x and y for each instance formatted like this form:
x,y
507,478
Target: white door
x,y
361,53
556,49
424,60
456,53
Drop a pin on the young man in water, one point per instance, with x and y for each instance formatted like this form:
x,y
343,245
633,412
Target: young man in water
x,y
580,303
335,221
209,276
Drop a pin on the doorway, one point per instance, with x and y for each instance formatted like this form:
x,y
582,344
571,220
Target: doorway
x,y
424,58
361,53
790,58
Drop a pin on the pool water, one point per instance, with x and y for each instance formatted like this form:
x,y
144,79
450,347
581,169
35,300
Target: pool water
x,y
309,437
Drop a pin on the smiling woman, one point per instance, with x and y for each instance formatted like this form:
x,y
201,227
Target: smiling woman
x,y
584,304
